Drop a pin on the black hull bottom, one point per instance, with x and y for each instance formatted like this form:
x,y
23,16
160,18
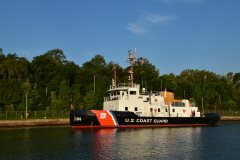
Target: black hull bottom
x,y
117,119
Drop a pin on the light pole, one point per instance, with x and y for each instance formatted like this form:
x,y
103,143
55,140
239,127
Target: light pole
x,y
204,90
161,84
184,94
26,114
94,83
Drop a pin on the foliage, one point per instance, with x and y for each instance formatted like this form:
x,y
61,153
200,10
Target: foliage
x,y
51,82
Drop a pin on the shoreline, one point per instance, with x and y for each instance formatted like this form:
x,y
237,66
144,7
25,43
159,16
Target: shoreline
x,y
65,121
230,118
33,122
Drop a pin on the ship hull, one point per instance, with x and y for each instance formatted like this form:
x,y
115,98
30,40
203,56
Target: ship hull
x,y
118,119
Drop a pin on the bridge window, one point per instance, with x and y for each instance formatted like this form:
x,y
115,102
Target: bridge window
x,y
133,92
178,104
159,110
136,109
126,108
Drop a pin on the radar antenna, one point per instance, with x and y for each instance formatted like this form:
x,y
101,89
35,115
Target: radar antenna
x,y
132,61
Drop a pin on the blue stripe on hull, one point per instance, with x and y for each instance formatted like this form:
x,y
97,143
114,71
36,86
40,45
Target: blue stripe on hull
x,y
114,118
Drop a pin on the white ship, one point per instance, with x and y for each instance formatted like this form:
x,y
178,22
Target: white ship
x,y
129,106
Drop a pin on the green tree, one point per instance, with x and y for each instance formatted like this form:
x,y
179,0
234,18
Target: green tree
x,y
90,101
93,77
52,82
169,82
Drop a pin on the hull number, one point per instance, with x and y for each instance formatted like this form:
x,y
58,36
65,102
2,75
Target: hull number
x,y
77,119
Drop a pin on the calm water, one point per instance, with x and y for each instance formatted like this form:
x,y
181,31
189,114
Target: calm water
x,y
213,143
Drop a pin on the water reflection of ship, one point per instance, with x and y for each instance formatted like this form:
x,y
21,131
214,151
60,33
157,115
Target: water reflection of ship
x,y
127,105
98,141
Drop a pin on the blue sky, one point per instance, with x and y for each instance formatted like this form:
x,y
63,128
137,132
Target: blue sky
x,y
173,35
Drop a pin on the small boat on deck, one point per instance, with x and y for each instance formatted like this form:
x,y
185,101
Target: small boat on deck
x,y
128,106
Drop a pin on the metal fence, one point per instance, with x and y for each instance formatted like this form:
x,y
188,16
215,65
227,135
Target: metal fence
x,y
49,114
226,112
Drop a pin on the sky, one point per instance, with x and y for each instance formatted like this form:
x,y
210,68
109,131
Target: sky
x,y
174,35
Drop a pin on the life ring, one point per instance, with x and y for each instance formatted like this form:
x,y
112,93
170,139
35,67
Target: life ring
x,y
184,110
155,109
155,99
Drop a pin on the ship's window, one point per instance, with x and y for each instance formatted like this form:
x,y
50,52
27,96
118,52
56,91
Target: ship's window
x,y
147,99
132,92
136,109
151,109
166,110
178,104
126,108
173,110
159,110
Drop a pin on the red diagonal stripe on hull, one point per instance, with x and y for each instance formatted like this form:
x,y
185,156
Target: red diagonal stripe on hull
x,y
104,118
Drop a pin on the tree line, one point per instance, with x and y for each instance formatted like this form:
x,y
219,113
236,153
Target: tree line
x,y
51,82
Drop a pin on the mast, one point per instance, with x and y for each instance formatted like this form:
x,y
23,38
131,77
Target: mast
x,y
114,80
131,60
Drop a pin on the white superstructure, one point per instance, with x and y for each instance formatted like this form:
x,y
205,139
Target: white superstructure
x,y
127,97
